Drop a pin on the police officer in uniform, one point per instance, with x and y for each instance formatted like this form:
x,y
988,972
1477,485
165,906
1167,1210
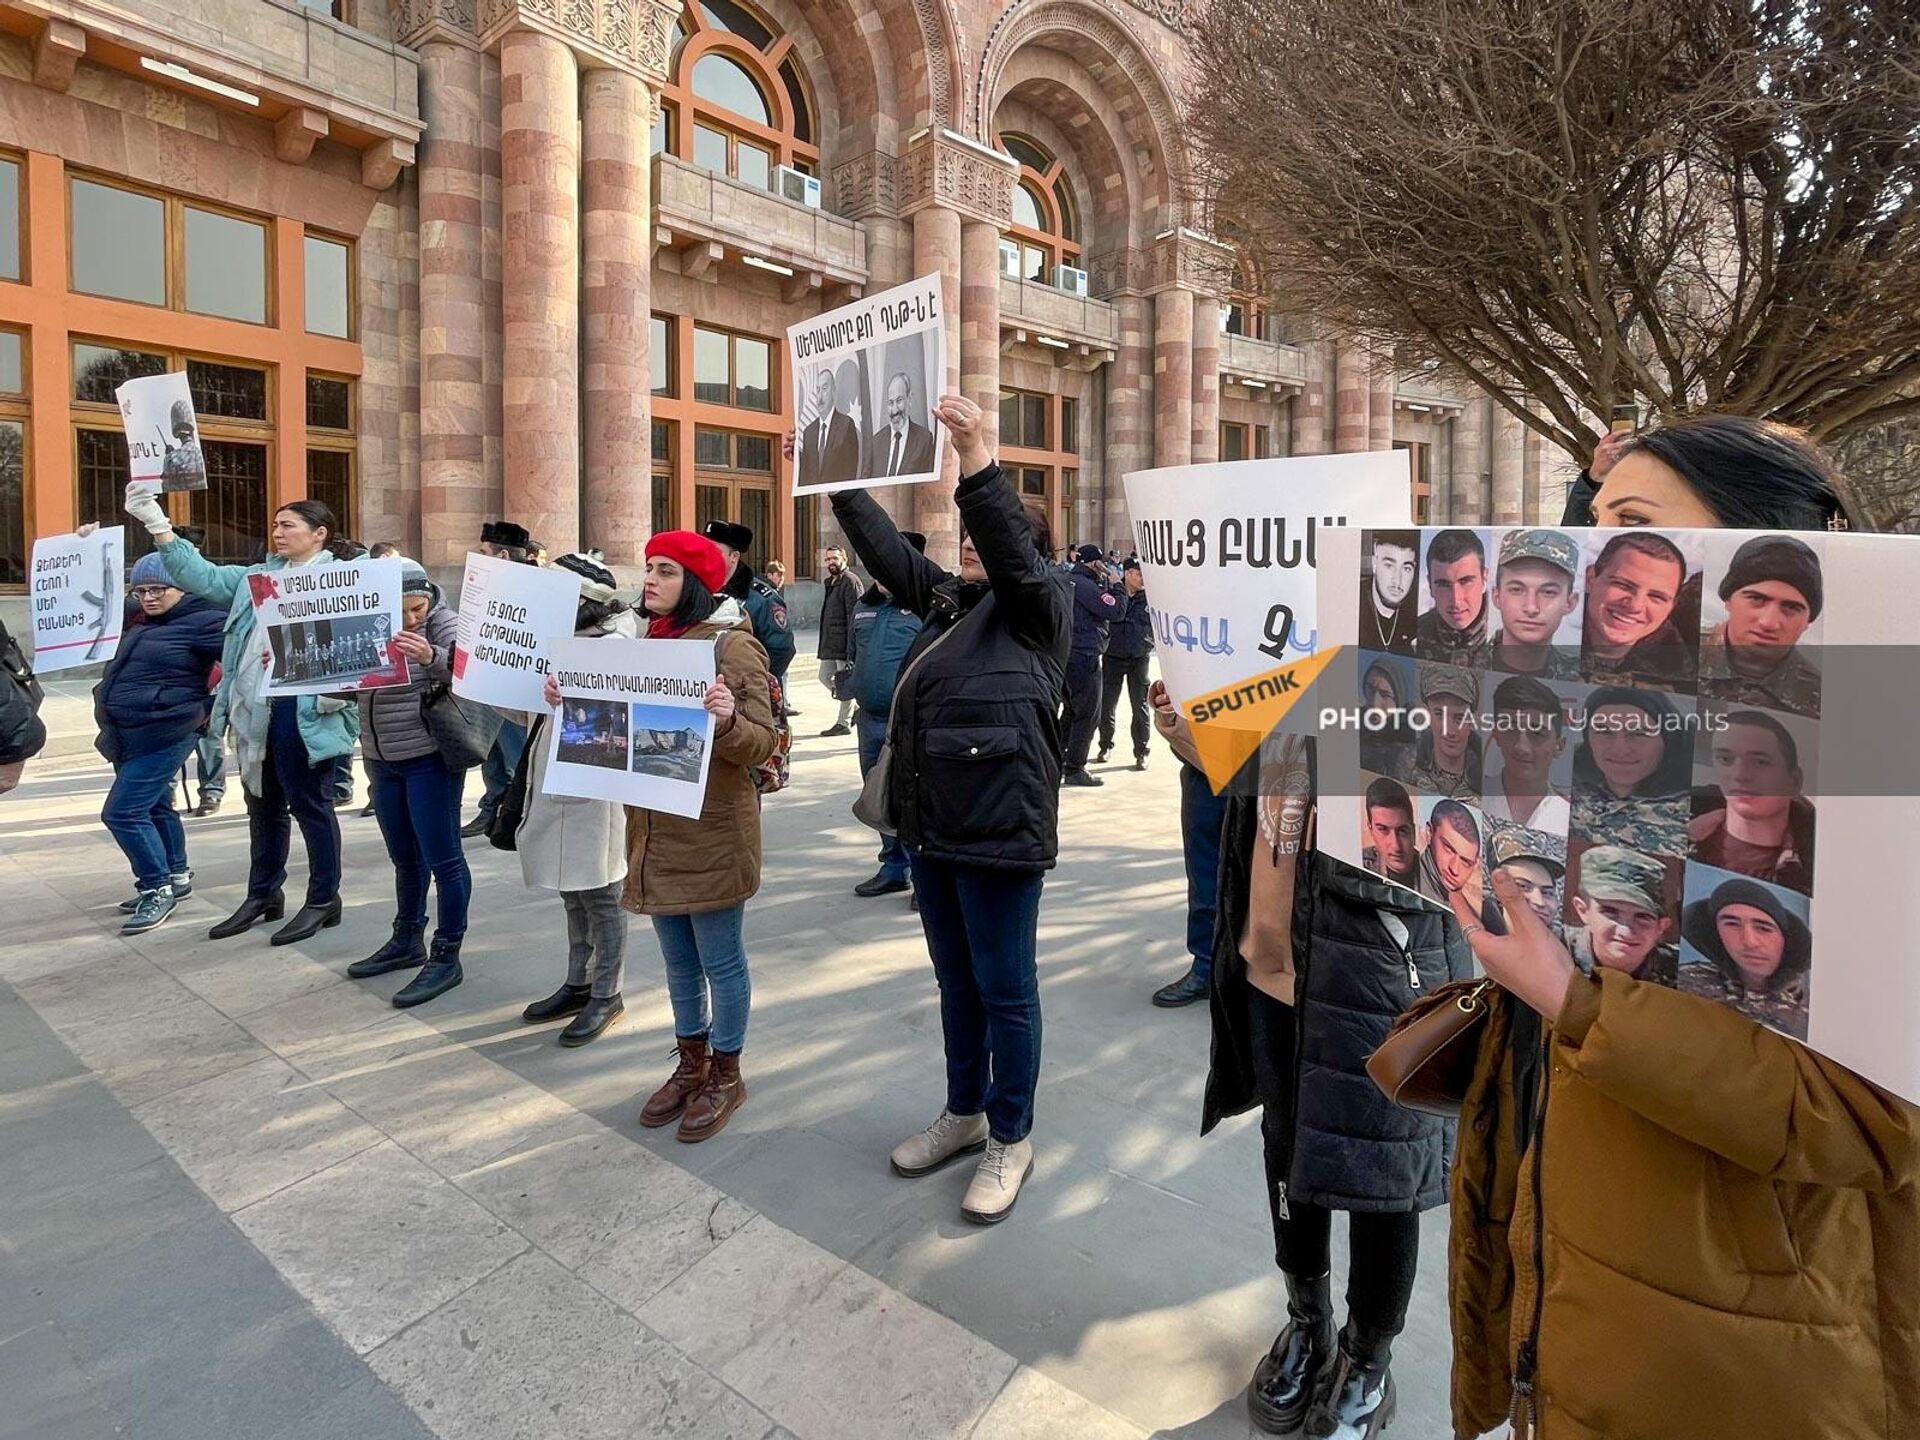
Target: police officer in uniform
x,y
766,607
1094,605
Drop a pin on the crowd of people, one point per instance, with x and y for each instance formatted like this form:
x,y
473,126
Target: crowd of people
x,y
1666,1219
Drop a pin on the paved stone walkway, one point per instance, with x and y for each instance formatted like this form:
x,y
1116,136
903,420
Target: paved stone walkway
x,y
243,1196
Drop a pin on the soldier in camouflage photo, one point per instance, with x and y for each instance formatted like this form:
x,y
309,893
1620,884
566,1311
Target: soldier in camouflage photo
x,y
1642,616
1535,863
1454,630
1748,947
1618,915
1447,755
1773,592
1535,588
1632,771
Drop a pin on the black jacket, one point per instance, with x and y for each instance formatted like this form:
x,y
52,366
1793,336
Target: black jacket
x,y
1130,631
22,735
1351,1147
1094,607
976,728
154,691
836,616
1579,506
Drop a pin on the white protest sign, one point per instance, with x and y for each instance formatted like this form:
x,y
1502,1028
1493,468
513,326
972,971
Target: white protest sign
x,y
1228,552
163,435
1716,797
865,379
632,726
509,614
329,627
78,602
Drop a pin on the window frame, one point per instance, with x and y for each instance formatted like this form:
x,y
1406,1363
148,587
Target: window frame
x,y
733,339
173,240
23,241
1062,467
684,110
352,336
1052,240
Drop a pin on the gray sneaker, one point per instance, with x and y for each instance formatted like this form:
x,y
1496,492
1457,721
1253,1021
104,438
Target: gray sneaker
x,y
996,1184
941,1143
182,888
153,908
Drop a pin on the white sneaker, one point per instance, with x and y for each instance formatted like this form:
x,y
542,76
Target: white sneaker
x,y
996,1184
940,1144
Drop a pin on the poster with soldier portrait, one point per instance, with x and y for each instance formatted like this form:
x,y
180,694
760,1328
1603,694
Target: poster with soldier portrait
x,y
1681,745
163,434
865,378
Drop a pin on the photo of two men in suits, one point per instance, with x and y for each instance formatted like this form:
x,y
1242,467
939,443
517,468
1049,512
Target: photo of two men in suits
x,y
832,450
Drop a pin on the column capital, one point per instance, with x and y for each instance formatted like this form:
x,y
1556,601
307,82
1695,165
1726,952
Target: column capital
x,y
945,169
631,35
426,22
866,186
1183,259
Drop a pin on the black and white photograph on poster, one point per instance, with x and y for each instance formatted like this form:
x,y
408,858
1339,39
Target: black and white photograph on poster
x,y
667,741
1747,944
1760,603
1754,776
1640,612
163,434
866,377
593,732
329,627
633,724
333,653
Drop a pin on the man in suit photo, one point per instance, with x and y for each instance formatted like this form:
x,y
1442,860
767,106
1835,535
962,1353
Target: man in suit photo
x,y
829,450
902,446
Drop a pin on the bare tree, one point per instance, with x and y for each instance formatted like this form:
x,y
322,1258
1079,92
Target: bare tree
x,y
1688,205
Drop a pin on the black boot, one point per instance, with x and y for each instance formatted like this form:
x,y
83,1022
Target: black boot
x,y
1286,1381
439,975
1358,1401
1188,988
311,920
591,1023
567,1000
403,950
253,909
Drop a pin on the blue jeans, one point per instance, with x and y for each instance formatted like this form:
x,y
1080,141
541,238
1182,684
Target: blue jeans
x,y
502,760
981,929
707,979
140,816
417,803
1201,815
872,732
292,788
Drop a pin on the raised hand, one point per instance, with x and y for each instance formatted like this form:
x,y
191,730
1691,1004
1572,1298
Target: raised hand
x,y
1530,961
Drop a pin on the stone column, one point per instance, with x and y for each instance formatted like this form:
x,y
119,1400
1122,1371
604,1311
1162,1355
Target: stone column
x,y
540,244
1173,377
615,300
1311,428
1380,397
1467,491
936,249
1508,467
980,320
454,497
1352,387
1128,439
1206,380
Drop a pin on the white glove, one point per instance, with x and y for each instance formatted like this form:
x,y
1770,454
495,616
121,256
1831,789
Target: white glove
x,y
143,505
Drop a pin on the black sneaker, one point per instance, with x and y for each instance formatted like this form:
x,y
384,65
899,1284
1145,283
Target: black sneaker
x,y
1081,778
834,730
475,826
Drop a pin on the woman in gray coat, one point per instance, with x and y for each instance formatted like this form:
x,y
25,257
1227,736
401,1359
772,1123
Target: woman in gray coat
x,y
417,799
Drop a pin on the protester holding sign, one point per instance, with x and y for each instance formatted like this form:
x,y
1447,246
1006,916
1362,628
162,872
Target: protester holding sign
x,y
286,746
1723,1214
151,705
416,798
693,877
22,735
975,748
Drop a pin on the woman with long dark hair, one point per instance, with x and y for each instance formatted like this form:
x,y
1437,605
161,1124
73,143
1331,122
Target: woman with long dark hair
x,y
286,745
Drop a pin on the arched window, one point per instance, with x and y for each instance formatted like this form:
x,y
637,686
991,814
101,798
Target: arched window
x,y
1245,312
737,103
1046,219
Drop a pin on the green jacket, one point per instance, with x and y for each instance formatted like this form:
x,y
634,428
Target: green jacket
x,y
328,725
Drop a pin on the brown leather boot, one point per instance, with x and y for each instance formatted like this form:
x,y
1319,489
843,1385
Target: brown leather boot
x,y
688,1076
710,1108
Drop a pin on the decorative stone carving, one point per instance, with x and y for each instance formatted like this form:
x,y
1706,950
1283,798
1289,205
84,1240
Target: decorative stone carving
x,y
631,35
945,169
1180,260
420,22
866,186
937,29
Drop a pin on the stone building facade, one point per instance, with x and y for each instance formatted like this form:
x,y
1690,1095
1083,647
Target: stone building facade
x,y
436,261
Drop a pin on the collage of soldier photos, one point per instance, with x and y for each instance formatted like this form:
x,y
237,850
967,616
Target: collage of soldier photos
x,y
1626,721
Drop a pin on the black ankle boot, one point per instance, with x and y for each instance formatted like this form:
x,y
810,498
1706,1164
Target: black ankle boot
x,y
591,1023
1287,1380
439,975
253,909
311,920
404,949
567,1000
1358,1401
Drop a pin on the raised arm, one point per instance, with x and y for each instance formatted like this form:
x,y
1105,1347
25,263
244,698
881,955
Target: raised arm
x,y
908,575
186,566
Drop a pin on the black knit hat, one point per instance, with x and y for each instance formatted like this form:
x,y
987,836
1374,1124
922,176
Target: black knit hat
x,y
1776,557
600,582
1699,926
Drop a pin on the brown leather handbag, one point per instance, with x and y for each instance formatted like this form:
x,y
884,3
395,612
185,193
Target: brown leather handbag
x,y
1426,1061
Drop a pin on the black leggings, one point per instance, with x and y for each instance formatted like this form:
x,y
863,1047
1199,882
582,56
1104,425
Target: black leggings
x,y
1383,1247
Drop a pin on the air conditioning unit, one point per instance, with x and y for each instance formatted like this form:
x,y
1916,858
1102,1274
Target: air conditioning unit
x,y
797,186
1070,279
1010,259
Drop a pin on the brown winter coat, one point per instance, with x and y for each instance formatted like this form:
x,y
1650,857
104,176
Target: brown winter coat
x,y
677,866
1732,1239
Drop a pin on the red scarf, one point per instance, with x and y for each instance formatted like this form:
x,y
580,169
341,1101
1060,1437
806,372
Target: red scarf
x,y
664,627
